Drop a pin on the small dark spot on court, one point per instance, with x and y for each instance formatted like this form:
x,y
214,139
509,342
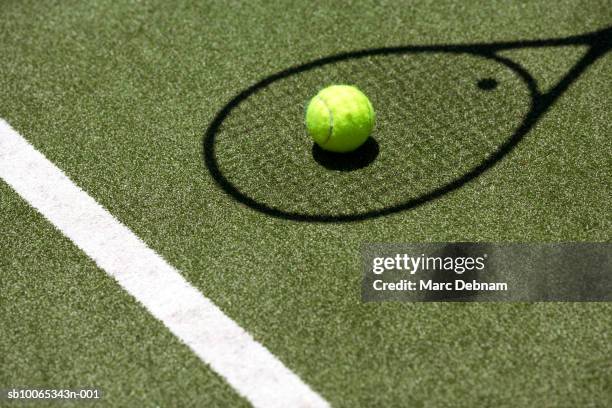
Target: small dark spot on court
x,y
487,84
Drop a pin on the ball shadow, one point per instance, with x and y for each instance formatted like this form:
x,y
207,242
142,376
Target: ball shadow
x,y
355,160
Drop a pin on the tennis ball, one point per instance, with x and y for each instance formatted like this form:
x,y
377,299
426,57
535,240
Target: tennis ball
x,y
340,118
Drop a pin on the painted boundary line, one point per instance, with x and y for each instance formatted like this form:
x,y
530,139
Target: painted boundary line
x,y
245,364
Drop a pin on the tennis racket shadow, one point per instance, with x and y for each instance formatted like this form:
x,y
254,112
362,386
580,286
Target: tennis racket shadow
x,y
598,44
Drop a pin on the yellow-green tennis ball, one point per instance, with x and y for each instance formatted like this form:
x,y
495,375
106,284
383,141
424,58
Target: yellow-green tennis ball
x,y
340,118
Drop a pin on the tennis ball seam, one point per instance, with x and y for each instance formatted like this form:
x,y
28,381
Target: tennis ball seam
x,y
331,119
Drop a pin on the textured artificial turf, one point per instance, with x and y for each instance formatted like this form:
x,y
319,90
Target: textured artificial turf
x,y
66,324
119,96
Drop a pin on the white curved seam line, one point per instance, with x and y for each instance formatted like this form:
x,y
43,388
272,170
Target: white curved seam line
x,y
331,119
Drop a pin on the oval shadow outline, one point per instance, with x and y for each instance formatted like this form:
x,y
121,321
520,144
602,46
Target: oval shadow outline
x,y
530,118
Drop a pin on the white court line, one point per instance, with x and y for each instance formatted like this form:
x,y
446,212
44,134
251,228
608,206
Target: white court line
x,y
247,366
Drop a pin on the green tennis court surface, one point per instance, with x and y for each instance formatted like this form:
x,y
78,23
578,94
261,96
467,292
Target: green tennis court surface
x,y
185,121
